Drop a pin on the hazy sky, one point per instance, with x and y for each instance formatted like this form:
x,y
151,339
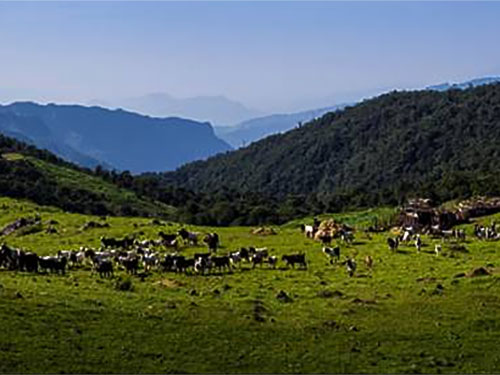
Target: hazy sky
x,y
269,55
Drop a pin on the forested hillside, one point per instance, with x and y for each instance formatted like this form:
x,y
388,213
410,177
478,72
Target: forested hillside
x,y
442,145
29,173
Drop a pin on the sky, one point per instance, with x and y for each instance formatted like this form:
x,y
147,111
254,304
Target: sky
x,y
271,56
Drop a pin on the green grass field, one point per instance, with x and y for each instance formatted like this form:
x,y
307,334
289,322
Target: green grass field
x,y
392,319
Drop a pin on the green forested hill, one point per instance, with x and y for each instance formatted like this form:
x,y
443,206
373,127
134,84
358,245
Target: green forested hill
x,y
441,144
29,173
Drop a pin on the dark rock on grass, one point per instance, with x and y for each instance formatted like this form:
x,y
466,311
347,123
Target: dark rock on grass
x,y
364,301
461,274
283,297
438,291
481,271
426,279
259,311
124,285
170,305
330,294
332,324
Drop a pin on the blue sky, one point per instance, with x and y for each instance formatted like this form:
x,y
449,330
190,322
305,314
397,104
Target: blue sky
x,y
274,56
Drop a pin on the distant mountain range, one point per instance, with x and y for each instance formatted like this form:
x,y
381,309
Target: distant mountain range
x,y
123,140
218,110
252,130
464,85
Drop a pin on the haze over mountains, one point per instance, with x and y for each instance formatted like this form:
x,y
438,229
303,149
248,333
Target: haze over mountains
x,y
218,110
120,139
252,130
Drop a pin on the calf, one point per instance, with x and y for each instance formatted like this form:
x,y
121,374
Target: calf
x,y
295,259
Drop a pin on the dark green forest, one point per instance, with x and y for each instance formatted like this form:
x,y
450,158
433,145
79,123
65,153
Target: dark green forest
x,y
440,145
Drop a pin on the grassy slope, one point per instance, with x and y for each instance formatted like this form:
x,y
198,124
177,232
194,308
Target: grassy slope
x,y
80,323
72,179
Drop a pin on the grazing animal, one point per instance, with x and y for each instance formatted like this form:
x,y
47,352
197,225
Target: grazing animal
x,y
212,241
181,264
350,266
220,262
393,243
104,268
169,238
28,262
437,249
202,264
293,259
347,236
149,260
325,238
308,230
235,258
244,254
131,264
53,264
188,237
418,243
332,253
369,262
272,261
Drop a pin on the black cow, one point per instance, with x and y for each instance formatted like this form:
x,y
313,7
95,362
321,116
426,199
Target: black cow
x,y
332,253
221,262
295,259
104,268
393,243
28,262
212,241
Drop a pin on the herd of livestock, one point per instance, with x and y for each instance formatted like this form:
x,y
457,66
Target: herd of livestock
x,y
132,254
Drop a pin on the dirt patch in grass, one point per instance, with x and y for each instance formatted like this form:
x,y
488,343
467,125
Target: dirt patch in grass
x,y
170,283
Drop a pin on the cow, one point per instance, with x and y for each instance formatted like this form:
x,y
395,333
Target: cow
x,y
418,243
369,262
308,230
332,253
212,241
437,249
188,237
104,268
272,261
293,259
169,238
325,238
28,262
350,264
202,264
220,263
393,243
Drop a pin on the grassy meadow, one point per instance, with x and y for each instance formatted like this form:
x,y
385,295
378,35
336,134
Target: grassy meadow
x,y
409,314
